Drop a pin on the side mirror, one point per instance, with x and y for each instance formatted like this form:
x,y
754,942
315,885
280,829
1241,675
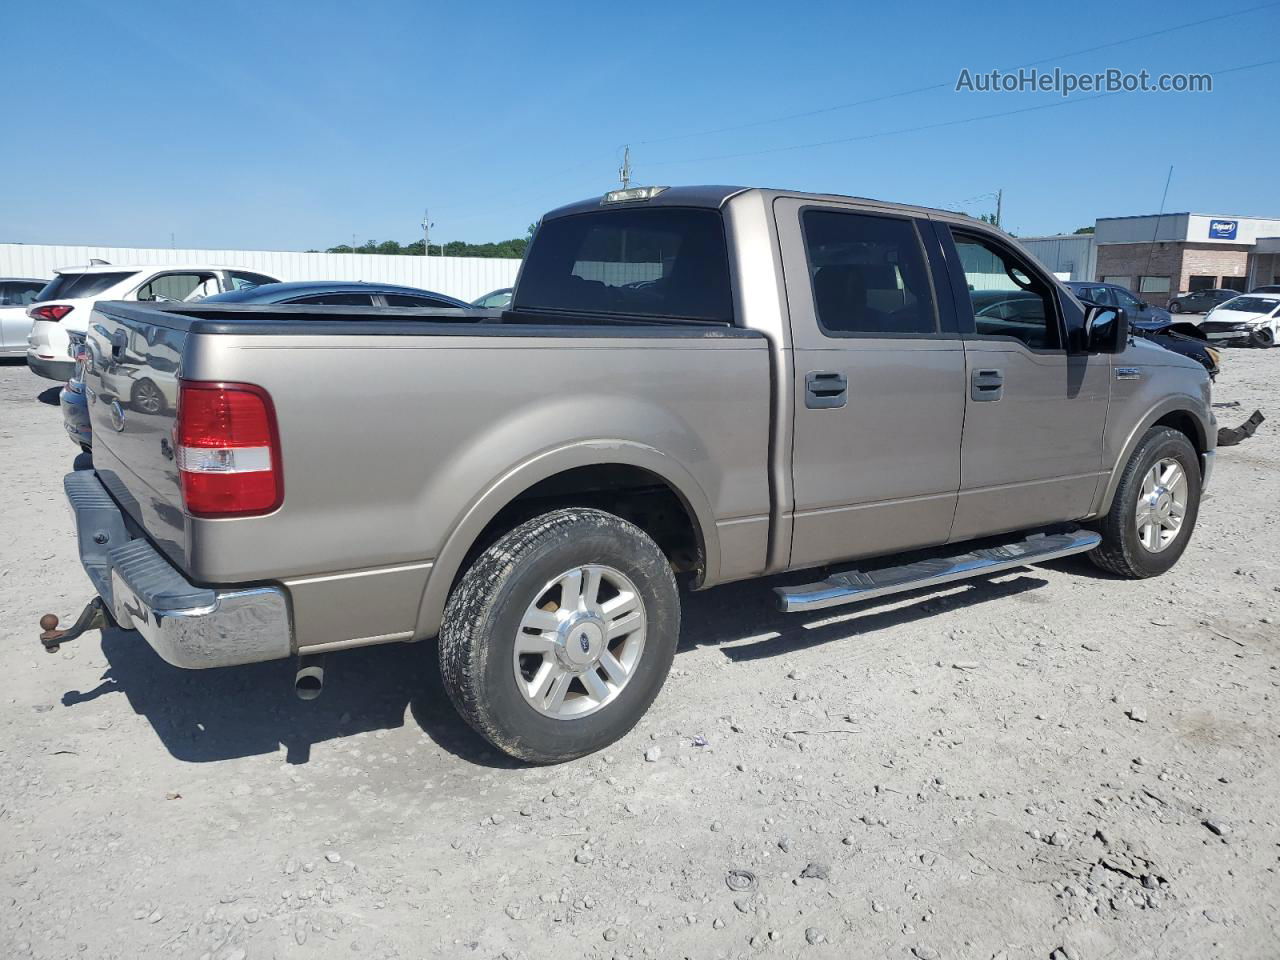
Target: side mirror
x,y
1106,329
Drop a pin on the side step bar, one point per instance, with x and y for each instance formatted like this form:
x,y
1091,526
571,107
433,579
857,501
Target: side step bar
x,y
852,586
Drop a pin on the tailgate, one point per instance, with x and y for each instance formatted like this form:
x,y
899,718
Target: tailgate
x,y
131,381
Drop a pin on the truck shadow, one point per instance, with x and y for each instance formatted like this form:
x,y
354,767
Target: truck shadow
x,y
210,715
743,621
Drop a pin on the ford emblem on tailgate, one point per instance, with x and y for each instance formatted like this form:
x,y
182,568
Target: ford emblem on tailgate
x,y
117,415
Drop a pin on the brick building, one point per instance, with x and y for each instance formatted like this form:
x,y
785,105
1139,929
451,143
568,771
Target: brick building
x,y
1159,256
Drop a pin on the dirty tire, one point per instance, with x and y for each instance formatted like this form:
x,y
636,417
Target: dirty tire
x,y
484,612
1121,551
1263,337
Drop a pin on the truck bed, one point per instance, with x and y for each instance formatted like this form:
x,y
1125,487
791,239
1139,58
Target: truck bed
x,y
394,423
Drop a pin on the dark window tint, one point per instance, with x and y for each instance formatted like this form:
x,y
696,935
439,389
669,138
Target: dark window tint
x,y
1009,299
19,293
69,286
658,262
339,299
868,274
1096,294
405,300
242,280
1126,299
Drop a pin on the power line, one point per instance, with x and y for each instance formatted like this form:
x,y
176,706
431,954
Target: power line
x,y
948,84
925,126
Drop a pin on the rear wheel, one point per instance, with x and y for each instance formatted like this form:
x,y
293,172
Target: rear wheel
x,y
1175,307
560,635
1155,507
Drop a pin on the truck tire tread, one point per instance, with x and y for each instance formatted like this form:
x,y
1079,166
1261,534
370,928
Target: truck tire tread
x,y
1120,553
465,637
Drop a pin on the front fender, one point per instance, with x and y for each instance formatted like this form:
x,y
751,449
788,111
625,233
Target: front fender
x,y
541,466
1174,404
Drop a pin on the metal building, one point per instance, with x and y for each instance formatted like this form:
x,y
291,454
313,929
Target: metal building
x,y
1069,256
463,277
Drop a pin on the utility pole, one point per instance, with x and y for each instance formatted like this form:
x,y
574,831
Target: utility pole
x,y
624,172
426,232
353,243
999,204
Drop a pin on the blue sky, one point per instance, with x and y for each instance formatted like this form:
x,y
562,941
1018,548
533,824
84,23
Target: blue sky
x,y
294,125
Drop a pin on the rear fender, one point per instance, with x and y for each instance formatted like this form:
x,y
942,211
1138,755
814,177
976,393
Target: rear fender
x,y
540,467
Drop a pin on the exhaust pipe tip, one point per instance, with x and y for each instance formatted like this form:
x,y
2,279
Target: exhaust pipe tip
x,y
309,683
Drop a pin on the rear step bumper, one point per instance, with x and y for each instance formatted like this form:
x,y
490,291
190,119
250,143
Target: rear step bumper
x,y
852,586
189,626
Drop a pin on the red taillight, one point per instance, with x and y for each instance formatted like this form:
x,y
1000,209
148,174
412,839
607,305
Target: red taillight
x,y
54,312
227,450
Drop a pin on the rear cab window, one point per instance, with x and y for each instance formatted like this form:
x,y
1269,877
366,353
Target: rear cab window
x,y
668,263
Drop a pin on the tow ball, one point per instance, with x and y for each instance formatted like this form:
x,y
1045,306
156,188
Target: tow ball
x,y
94,616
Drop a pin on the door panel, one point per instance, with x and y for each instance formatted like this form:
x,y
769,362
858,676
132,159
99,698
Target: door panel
x,y
880,473
1034,413
1035,455
878,391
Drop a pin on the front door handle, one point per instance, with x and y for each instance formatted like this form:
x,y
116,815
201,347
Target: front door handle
x,y
824,389
987,385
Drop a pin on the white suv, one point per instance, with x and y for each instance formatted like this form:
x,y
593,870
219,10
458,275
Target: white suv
x,y
63,307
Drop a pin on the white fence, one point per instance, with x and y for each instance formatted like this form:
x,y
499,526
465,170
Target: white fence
x,y
462,277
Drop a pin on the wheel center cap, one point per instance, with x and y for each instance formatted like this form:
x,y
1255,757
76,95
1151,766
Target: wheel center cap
x,y
580,641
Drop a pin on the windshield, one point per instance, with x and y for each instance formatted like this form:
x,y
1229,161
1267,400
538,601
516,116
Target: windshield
x,y
667,262
1252,304
68,286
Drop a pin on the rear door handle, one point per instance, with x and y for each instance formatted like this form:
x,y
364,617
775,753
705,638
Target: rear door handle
x,y
825,389
987,385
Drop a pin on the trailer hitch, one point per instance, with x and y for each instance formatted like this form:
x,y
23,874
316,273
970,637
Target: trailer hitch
x,y
94,616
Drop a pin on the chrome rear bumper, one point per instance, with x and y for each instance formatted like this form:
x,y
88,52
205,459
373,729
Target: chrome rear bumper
x,y
187,625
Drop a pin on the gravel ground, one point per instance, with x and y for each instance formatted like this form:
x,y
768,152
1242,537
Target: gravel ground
x,y
1048,760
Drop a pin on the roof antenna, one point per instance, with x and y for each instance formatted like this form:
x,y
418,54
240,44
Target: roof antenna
x,y
624,171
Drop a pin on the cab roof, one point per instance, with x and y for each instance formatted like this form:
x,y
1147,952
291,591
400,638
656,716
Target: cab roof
x,y
715,196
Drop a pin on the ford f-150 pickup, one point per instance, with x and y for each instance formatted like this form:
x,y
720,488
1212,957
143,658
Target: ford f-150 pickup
x,y
711,383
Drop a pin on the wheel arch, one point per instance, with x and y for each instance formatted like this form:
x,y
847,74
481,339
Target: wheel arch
x,y
1173,412
557,472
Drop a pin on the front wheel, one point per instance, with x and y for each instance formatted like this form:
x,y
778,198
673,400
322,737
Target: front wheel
x,y
1155,507
560,635
1263,337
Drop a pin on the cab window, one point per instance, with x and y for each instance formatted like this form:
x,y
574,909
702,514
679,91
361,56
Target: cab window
x,y
868,275
1009,298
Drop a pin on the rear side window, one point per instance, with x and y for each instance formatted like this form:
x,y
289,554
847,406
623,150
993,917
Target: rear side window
x,y
179,287
69,286
19,293
405,300
338,300
666,262
868,274
243,280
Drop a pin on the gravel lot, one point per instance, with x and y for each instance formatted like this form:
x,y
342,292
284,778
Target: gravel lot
x,y
1048,760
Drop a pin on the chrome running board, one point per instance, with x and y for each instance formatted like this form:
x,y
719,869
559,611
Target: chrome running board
x,y
852,586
